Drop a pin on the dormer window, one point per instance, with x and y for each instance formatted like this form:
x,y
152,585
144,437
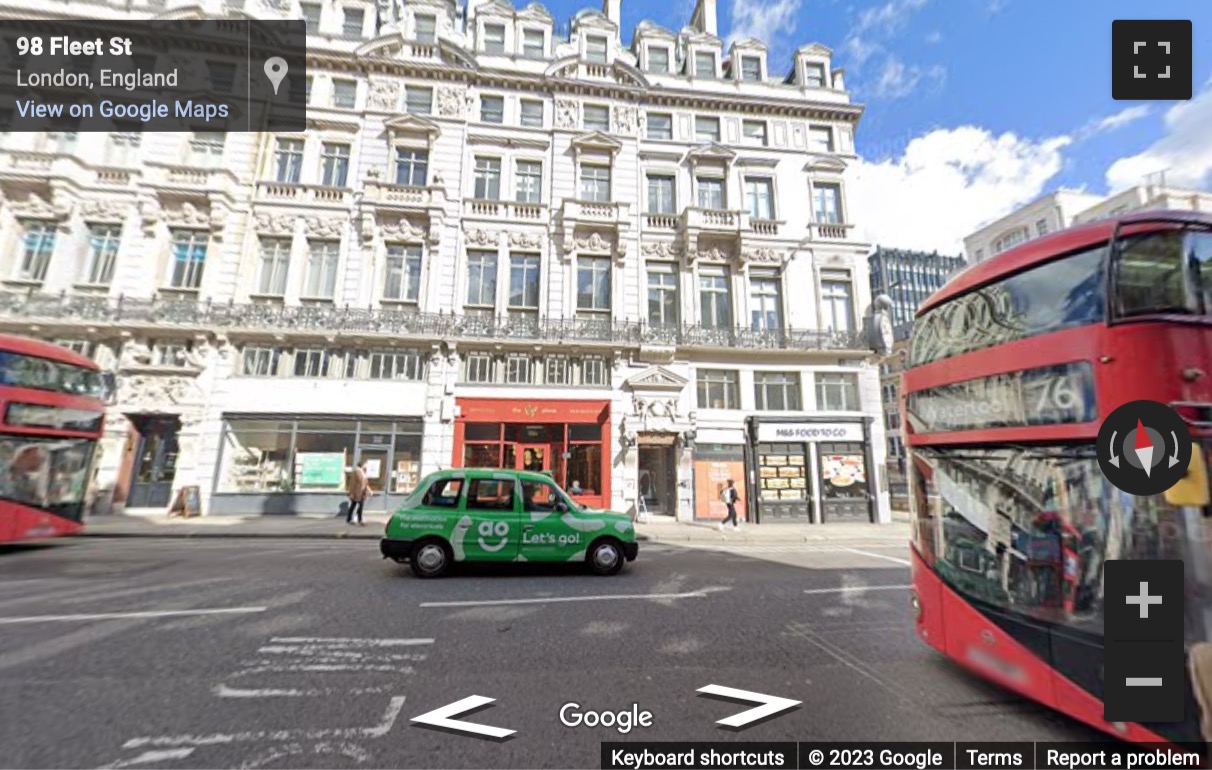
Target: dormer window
x,y
595,48
751,68
658,59
533,44
494,38
427,28
704,64
814,75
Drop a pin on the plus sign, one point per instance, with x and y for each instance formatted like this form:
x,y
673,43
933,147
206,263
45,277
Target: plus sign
x,y
1144,600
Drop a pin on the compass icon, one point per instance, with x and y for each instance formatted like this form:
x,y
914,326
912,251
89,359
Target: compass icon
x,y
1144,448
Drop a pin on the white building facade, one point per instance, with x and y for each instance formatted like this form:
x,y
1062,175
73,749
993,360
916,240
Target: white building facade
x,y
496,244
1065,208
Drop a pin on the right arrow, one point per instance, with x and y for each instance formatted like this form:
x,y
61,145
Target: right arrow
x,y
771,705
445,718
1174,458
1114,457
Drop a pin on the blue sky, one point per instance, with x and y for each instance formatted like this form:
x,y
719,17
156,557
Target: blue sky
x,y
979,105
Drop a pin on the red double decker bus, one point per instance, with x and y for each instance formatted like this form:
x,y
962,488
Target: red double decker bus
x,y
1011,369
52,413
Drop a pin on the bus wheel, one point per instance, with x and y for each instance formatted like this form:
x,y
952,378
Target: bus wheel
x,y
430,558
605,557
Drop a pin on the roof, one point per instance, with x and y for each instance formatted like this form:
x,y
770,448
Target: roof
x,y
40,349
487,473
1040,250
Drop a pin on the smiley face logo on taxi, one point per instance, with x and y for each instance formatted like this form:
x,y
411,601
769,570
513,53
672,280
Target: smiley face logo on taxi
x,y
489,529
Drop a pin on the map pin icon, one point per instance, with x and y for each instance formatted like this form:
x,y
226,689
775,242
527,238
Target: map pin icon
x,y
275,70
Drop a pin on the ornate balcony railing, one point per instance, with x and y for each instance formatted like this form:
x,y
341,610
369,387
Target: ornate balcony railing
x,y
174,312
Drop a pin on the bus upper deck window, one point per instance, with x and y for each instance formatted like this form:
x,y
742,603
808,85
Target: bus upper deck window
x,y
1151,276
1199,257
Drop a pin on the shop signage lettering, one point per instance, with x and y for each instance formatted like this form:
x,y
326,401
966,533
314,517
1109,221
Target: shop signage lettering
x,y
321,469
810,432
1050,395
657,439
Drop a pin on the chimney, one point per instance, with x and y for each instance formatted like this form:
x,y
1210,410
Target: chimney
x,y
704,17
613,10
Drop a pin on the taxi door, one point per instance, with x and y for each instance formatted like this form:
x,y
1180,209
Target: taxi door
x,y
551,531
488,528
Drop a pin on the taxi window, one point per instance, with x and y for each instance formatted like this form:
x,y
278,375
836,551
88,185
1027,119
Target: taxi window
x,y
444,493
539,496
490,495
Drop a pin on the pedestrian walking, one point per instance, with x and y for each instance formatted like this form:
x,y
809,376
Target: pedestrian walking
x,y
359,489
730,497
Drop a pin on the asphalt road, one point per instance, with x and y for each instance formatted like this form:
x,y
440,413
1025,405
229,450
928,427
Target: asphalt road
x,y
316,654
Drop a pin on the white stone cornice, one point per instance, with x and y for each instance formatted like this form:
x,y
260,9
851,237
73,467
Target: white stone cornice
x,y
826,163
596,141
496,140
752,162
412,124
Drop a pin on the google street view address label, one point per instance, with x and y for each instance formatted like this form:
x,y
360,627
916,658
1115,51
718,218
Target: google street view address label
x,y
131,76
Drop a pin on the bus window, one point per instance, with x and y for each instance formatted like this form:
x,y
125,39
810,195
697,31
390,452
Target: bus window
x,y
1151,276
1199,257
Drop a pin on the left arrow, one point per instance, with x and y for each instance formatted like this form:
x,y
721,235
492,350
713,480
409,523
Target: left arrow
x,y
771,705
445,718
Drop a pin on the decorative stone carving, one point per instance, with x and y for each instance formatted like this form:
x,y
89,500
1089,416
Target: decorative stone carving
x,y
594,242
103,211
135,354
567,113
152,392
384,94
452,102
766,255
714,254
275,224
484,237
657,377
659,408
188,215
626,119
321,227
526,240
402,230
34,206
663,249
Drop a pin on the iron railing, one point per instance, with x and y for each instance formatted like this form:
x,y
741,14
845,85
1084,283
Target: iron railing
x,y
185,313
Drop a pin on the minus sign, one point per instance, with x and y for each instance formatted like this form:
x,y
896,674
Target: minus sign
x,y
1144,681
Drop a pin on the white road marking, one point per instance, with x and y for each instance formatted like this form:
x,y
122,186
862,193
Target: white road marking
x,y
853,589
319,667
129,615
148,757
336,655
215,739
223,691
350,642
896,559
553,599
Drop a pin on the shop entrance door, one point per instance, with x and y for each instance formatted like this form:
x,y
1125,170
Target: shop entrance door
x,y
657,483
378,471
155,461
534,457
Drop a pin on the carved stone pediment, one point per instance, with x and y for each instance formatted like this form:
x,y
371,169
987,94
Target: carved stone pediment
x,y
275,224
402,230
35,206
526,240
484,238
656,378
104,211
324,227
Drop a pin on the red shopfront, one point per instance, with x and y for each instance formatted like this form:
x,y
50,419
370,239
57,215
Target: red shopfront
x,y
570,439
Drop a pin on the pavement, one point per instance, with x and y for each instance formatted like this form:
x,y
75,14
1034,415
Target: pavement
x,y
284,653
329,527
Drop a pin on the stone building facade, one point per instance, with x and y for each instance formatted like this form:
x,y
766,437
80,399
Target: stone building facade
x,y
501,240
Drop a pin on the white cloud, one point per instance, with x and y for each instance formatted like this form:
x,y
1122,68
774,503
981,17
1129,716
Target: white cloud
x,y
770,21
868,39
898,80
934,37
948,183
1184,152
1116,120
996,6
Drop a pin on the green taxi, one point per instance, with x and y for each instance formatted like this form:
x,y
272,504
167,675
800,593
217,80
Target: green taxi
x,y
490,515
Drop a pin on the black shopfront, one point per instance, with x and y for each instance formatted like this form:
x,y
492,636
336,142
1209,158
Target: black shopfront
x,y
809,470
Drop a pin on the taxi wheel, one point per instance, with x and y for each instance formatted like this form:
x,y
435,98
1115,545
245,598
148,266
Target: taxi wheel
x,y
430,558
605,557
